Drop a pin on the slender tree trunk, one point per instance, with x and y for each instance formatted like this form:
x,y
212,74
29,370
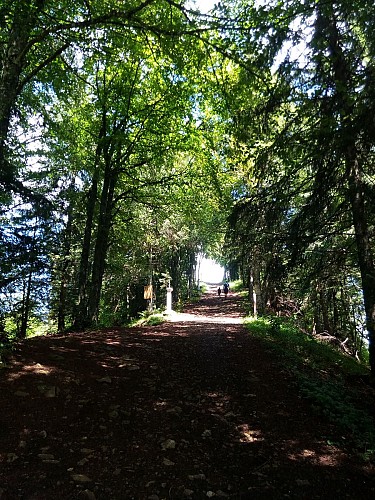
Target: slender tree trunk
x,y
324,309
336,317
316,326
192,264
62,301
175,276
66,262
27,291
26,306
101,243
257,289
253,295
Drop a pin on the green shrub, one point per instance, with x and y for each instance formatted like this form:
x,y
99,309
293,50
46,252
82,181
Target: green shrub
x,y
237,286
150,318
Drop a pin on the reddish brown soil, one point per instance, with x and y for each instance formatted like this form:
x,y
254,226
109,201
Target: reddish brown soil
x,y
190,409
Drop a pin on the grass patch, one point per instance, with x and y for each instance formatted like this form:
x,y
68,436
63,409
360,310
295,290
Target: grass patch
x,y
238,286
325,376
150,318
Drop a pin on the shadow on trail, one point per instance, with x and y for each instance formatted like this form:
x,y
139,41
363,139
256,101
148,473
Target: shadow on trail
x,y
191,409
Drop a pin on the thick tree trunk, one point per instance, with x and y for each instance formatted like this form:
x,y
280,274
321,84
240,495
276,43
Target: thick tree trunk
x,y
365,256
82,319
342,76
12,63
81,313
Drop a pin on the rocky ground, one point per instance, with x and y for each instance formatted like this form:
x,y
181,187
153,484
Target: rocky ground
x,y
191,409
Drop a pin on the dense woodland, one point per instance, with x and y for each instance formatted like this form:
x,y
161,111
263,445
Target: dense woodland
x,y
136,135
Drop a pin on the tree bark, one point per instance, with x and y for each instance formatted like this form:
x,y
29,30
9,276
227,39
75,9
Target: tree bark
x,y
26,306
175,271
66,262
253,295
81,319
12,62
365,255
342,78
81,313
101,243
324,308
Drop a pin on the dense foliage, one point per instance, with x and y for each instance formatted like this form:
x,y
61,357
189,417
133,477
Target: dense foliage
x,y
134,134
302,227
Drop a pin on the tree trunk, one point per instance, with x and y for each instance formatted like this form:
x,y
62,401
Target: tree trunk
x,y
191,272
81,313
12,62
175,276
365,256
66,262
342,76
253,296
26,306
81,319
257,287
324,309
101,243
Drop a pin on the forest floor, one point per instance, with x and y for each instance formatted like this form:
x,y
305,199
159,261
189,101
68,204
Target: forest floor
x,y
193,408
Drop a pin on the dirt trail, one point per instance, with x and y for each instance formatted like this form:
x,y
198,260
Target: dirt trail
x,y
194,408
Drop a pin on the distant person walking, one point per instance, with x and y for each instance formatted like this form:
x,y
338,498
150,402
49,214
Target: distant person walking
x,y
219,291
225,289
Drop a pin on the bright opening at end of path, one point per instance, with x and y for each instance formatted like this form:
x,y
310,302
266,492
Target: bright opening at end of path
x,y
211,271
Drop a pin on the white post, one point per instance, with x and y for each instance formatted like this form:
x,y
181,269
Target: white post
x,y
169,299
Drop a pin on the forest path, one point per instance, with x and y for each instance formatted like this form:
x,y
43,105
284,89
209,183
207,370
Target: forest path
x,y
193,408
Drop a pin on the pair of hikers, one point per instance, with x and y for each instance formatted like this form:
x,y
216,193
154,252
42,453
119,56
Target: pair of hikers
x,y
225,289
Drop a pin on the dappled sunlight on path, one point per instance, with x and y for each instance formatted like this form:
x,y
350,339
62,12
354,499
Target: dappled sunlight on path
x,y
191,408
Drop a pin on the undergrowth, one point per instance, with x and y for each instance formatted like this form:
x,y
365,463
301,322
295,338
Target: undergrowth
x,y
323,375
6,348
150,318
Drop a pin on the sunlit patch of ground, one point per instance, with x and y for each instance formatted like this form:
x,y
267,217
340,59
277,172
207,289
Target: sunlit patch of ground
x,y
249,435
34,369
193,318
